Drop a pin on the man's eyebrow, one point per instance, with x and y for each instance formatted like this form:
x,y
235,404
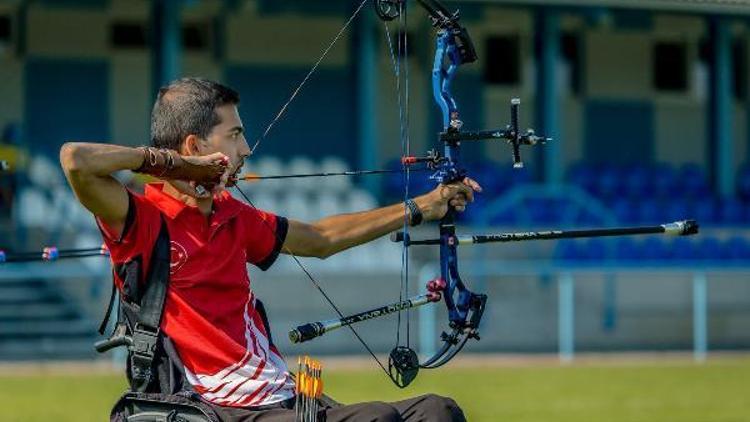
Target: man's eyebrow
x,y
239,129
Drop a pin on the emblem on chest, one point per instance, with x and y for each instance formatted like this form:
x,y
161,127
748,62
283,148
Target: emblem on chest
x,y
178,257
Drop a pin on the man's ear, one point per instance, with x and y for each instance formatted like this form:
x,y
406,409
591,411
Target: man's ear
x,y
191,145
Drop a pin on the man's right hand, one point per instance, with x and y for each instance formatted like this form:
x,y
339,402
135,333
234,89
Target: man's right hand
x,y
206,189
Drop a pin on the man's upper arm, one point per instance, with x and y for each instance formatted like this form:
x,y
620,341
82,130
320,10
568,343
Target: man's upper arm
x,y
304,239
265,234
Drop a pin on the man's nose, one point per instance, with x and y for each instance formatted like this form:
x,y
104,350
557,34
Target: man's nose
x,y
245,149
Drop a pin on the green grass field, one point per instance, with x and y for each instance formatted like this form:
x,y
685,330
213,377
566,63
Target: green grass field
x,y
643,390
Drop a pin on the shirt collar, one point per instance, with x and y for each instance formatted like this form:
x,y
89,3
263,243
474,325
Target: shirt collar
x,y
225,206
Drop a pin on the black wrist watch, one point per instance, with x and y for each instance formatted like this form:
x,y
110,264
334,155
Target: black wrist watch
x,y
415,215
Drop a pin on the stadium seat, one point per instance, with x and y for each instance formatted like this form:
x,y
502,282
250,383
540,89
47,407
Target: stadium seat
x,y
583,175
568,250
664,180
653,249
303,165
31,208
743,182
637,181
692,181
297,206
650,211
730,212
336,165
626,249
626,211
358,200
709,248
44,173
327,203
705,210
267,166
737,249
676,209
609,182
683,249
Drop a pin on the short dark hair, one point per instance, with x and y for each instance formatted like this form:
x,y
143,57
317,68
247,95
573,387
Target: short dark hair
x,y
187,107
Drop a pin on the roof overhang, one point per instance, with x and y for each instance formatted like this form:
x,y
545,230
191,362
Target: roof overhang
x,y
724,7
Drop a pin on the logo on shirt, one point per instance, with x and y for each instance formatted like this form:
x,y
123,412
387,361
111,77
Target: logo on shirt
x,y
178,257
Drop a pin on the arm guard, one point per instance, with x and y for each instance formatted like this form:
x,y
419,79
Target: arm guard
x,y
168,164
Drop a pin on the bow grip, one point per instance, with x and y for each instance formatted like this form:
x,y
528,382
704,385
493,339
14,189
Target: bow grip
x,y
306,332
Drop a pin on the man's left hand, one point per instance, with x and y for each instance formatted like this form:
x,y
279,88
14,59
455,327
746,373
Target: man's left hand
x,y
434,205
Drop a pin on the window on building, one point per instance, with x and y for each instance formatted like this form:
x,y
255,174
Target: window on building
x,y
670,68
127,35
740,68
196,36
6,29
502,60
570,44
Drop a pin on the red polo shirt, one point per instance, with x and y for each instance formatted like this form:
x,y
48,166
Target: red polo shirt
x,y
210,313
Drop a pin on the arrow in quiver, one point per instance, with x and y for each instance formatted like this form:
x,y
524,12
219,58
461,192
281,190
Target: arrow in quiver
x,y
309,390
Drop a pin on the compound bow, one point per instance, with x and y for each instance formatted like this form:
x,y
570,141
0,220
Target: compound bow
x,y
454,48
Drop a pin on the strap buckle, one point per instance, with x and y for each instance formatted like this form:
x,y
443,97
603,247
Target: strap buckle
x,y
142,352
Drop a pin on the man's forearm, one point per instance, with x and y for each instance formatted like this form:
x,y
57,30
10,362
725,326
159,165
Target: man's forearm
x,y
348,230
99,159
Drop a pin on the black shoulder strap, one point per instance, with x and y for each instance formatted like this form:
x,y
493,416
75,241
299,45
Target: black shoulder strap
x,y
146,330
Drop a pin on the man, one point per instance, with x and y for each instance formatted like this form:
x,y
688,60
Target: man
x,y
210,314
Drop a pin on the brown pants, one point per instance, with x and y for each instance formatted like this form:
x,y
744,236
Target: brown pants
x,y
425,408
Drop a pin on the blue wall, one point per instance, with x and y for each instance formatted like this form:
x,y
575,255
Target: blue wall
x,y
65,100
319,122
619,132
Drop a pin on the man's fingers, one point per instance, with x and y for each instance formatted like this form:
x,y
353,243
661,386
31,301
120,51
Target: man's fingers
x,y
468,181
458,202
218,157
190,188
223,181
464,191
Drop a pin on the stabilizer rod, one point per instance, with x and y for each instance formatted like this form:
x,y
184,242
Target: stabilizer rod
x,y
678,228
312,330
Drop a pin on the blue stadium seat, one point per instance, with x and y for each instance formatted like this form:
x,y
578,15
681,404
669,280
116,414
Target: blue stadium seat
x,y
626,249
709,248
653,248
568,250
637,181
743,182
730,211
609,182
650,211
583,175
664,179
704,210
493,177
594,249
692,181
675,209
683,249
626,211
737,248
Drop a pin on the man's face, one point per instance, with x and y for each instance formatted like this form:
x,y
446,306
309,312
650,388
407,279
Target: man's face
x,y
228,137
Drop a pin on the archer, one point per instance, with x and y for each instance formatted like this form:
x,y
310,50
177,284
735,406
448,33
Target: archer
x,y
179,254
